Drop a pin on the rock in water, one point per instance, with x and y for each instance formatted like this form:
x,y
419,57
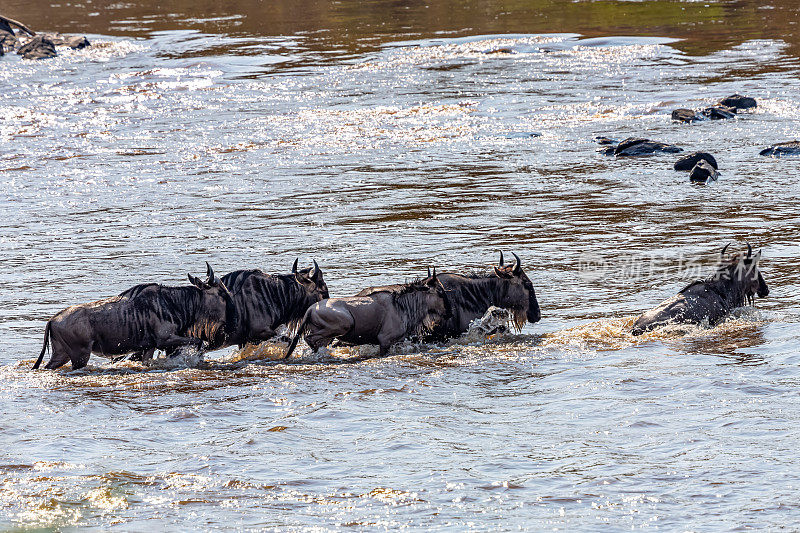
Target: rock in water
x,y
685,115
8,41
76,42
703,172
737,101
688,162
604,140
787,148
719,112
632,147
40,47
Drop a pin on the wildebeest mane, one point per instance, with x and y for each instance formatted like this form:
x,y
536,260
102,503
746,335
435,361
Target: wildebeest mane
x,y
137,289
723,282
179,305
409,299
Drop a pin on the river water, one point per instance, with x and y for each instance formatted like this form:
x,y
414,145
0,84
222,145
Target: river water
x,y
380,138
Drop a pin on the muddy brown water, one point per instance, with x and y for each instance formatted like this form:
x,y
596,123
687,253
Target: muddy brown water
x,y
380,138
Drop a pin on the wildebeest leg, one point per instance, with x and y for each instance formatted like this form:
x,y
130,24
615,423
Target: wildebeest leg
x,y
176,341
64,352
80,357
260,335
316,342
57,360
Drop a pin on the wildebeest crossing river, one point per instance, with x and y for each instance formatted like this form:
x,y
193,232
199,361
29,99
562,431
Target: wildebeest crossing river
x,y
380,139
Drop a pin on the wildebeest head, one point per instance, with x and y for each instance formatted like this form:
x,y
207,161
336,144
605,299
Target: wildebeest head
x,y
520,296
312,282
215,317
743,269
436,302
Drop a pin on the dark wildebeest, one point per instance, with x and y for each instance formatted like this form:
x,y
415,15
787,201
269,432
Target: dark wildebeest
x,y
470,296
265,302
384,317
142,319
735,282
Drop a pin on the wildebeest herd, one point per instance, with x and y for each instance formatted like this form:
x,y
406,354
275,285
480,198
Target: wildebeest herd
x,y
249,306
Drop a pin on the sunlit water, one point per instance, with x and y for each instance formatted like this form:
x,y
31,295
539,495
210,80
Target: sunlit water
x,y
137,160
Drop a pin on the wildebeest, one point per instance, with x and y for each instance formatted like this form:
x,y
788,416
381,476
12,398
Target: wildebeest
x,y
265,302
384,317
735,282
142,319
470,296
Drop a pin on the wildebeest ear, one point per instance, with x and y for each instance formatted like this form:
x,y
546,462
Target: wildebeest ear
x,y
197,282
317,272
501,273
757,257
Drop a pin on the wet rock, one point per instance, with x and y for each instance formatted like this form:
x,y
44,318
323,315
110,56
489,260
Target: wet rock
x,y
688,162
604,140
719,112
780,149
40,47
501,50
703,172
76,42
737,101
633,147
8,41
685,115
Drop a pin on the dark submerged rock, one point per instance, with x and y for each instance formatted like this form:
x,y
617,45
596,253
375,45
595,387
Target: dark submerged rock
x,y
632,147
501,50
780,149
703,172
719,112
688,162
737,101
604,140
40,47
76,42
8,41
685,115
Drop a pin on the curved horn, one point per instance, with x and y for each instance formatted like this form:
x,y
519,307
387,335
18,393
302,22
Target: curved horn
x,y
429,271
722,253
434,273
501,258
749,251
316,270
294,266
209,273
518,266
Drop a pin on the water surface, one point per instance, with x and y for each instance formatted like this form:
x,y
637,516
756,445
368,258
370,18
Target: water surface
x,y
380,139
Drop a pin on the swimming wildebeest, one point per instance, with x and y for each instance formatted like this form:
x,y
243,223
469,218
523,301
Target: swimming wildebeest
x,y
384,317
142,319
470,296
265,302
735,282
